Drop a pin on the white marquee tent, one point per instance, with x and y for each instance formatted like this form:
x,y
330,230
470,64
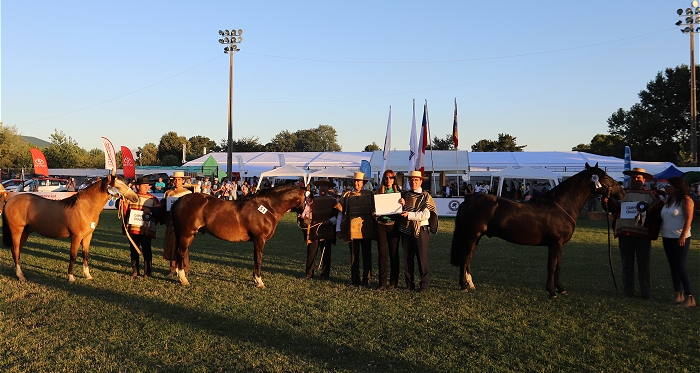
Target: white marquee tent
x,y
286,170
525,173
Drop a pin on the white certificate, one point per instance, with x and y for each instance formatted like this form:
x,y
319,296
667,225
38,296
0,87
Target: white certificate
x,y
169,202
628,210
136,218
387,204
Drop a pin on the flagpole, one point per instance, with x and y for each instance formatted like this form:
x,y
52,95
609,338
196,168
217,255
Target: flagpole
x,y
387,145
454,139
432,162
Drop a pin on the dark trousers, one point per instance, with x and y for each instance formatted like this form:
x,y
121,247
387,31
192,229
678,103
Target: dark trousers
x,y
143,243
355,245
388,238
324,246
416,247
677,256
630,247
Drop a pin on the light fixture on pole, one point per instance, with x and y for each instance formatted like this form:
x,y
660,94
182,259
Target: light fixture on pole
x,y
231,39
690,24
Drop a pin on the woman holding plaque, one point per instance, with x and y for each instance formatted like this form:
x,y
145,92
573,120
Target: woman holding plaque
x,y
388,235
142,217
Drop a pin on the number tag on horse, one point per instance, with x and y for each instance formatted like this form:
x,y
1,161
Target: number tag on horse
x,y
262,209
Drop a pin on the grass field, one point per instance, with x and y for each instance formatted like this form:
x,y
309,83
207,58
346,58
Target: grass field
x,y
223,323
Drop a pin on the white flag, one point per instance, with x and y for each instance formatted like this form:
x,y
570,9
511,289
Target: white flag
x,y
110,156
184,149
413,146
387,143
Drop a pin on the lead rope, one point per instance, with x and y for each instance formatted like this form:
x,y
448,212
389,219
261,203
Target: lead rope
x,y
120,215
607,212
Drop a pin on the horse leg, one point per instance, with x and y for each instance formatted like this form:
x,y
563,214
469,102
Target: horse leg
x,y
258,244
557,272
85,242
552,268
465,276
183,249
74,244
18,240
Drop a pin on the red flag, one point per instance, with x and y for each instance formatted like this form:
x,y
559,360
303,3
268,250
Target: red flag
x,y
454,127
423,141
40,165
128,163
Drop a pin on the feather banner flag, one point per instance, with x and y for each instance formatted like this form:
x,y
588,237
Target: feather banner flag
x,y
128,164
423,142
455,135
110,156
387,143
40,165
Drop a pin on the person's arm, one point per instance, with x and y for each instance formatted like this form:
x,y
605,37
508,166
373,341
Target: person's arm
x,y
688,208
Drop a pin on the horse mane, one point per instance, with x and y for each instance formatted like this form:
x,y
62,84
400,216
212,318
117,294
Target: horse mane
x,y
274,190
100,187
564,187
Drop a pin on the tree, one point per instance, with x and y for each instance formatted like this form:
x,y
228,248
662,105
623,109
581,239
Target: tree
x,y
371,147
147,155
320,139
14,151
64,152
610,145
505,143
171,144
657,128
95,158
284,141
443,144
247,144
198,145
171,160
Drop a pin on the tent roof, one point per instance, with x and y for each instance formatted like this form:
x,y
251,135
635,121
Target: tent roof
x,y
671,171
333,171
287,170
526,173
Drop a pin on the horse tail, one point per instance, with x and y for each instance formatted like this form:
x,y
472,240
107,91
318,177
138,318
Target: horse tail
x,y
459,239
170,245
6,232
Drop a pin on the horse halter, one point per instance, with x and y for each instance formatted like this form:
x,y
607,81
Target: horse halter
x,y
607,189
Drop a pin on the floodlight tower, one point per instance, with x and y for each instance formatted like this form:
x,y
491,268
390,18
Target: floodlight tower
x,y
231,39
690,22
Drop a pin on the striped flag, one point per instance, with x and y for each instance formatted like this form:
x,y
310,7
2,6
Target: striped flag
x,y
423,143
455,135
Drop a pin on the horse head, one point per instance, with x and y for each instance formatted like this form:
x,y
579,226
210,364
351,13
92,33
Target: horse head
x,y
119,187
603,184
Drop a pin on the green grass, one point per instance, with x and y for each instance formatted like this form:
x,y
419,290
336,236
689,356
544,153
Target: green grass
x,y
223,323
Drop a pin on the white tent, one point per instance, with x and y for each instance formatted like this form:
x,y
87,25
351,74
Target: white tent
x,y
287,170
525,173
333,171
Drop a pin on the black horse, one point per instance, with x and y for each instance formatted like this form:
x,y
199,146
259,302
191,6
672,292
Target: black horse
x,y
548,220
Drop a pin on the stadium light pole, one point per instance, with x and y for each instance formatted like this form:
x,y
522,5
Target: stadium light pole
x,y
690,20
230,38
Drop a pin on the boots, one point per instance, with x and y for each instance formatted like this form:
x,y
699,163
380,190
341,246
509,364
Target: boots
x,y
147,264
134,268
678,298
689,302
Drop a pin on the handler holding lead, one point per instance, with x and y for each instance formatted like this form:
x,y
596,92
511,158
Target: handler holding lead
x,y
319,229
142,217
419,217
178,191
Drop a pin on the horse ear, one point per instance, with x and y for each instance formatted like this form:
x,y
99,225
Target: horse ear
x,y
596,165
588,167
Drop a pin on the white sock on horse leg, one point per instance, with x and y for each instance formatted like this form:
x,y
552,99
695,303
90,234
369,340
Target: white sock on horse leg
x,y
86,272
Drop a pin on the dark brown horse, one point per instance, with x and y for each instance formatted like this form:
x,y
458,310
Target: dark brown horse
x,y
249,219
548,220
75,217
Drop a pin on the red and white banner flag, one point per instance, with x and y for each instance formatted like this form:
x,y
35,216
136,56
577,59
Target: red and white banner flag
x,y
40,165
128,163
423,141
110,156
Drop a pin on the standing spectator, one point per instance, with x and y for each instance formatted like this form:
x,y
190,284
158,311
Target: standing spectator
x,y
159,186
142,217
206,186
388,235
70,186
676,217
319,229
419,218
470,190
245,189
215,187
355,225
178,191
635,228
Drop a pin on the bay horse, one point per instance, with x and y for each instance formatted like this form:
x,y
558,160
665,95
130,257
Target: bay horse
x,y
246,219
548,220
75,217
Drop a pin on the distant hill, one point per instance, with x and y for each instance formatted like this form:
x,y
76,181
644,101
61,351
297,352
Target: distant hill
x,y
39,143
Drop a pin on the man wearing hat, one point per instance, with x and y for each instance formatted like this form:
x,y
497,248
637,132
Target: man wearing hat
x,y
356,226
319,229
419,217
176,192
142,217
637,224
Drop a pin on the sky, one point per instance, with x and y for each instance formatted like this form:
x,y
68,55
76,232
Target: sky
x,y
549,73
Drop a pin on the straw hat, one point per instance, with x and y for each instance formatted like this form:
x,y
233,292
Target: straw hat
x,y
179,174
415,174
359,176
639,171
324,181
142,180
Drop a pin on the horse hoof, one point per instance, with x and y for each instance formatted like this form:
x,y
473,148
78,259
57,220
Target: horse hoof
x,y
71,278
465,290
563,292
21,279
260,286
185,283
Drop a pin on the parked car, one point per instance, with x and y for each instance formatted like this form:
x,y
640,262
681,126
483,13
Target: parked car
x,y
48,184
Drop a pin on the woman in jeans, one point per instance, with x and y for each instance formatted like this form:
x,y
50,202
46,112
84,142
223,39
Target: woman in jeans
x,y
677,216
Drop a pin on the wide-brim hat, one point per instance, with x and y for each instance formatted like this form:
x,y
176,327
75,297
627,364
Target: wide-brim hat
x,y
324,181
142,180
415,174
180,174
359,176
639,171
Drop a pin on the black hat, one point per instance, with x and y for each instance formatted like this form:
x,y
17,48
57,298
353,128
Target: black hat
x,y
142,180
